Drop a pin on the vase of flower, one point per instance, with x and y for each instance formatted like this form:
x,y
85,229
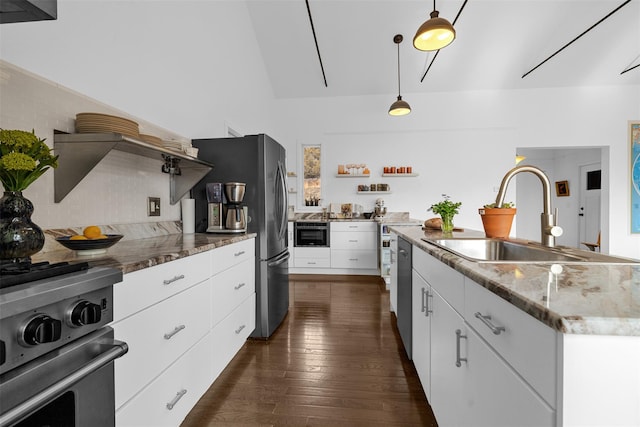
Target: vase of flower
x,y
19,236
23,158
447,210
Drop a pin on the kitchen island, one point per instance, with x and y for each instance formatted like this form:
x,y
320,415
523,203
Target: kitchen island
x,y
522,343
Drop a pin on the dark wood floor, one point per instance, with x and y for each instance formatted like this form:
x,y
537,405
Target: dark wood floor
x,y
336,360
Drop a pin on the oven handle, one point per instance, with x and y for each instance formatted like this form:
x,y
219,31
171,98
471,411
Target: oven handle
x,y
118,349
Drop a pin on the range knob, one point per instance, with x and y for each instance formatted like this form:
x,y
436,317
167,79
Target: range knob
x,y
84,313
40,329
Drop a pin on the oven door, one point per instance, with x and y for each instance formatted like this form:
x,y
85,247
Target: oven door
x,y
71,386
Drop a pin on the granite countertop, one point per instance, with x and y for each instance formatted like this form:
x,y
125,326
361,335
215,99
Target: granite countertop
x,y
598,299
138,253
397,218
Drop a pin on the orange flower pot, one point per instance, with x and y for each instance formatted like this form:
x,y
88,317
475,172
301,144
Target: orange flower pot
x,y
497,222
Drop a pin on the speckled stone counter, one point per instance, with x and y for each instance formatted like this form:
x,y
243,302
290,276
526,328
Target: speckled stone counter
x,y
398,218
135,254
599,299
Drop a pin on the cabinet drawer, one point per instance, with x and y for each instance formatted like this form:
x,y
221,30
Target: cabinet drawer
x,y
525,343
231,287
158,335
354,258
312,262
444,279
354,241
230,255
316,253
146,287
191,373
231,333
312,257
353,226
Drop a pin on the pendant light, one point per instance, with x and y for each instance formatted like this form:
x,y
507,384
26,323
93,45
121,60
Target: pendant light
x,y
435,33
400,107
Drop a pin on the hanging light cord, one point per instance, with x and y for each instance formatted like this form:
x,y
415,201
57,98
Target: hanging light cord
x,y
398,68
438,51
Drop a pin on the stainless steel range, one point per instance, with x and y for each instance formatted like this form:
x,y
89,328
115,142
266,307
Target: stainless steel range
x,y
56,352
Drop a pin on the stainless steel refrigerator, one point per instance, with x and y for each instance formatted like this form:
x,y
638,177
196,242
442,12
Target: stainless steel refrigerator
x,y
258,161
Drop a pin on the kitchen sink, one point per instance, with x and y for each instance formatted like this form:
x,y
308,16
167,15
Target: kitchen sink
x,y
504,251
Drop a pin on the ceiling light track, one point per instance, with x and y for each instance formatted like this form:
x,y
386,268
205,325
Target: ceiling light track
x,y
438,51
576,38
315,39
629,69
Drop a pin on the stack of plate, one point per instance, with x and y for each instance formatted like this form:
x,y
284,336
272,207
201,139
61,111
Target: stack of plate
x,y
98,123
153,140
173,145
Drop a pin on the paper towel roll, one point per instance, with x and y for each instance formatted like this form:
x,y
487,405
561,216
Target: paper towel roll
x,y
188,215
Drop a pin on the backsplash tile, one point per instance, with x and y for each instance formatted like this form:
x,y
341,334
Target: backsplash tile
x,y
115,191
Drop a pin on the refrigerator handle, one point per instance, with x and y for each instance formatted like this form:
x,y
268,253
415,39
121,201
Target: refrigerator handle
x,y
282,190
282,258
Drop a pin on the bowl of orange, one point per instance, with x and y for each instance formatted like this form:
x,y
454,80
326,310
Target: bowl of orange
x,y
92,241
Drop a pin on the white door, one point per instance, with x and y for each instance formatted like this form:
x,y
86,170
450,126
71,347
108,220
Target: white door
x,y
589,209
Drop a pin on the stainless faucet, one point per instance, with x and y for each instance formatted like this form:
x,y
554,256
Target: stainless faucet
x,y
548,221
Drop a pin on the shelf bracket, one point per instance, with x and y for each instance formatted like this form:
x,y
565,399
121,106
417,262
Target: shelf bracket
x,y
80,153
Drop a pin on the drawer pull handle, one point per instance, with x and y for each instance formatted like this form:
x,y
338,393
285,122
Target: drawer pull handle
x,y
239,253
353,241
239,285
487,321
459,359
170,335
175,400
425,302
176,278
353,259
311,263
237,331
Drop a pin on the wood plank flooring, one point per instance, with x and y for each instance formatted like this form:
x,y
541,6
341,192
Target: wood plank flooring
x,y
337,360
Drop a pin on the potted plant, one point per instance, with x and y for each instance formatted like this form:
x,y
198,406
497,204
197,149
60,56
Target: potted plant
x,y
23,158
447,210
497,220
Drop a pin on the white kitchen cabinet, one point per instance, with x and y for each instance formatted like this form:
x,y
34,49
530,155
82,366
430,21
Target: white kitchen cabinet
x,y
312,257
421,329
168,399
161,331
447,397
477,376
354,245
494,394
525,343
183,321
231,333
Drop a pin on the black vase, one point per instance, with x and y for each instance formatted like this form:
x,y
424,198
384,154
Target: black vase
x,y
19,237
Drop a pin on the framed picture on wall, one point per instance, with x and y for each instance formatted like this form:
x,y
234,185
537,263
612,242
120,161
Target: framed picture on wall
x,y
634,174
562,188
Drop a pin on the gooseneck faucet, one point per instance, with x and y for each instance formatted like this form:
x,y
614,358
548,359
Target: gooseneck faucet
x,y
548,221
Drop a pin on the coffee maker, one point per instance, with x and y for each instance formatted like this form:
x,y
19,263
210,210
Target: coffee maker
x,y
235,219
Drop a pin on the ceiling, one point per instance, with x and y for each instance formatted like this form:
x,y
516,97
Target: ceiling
x,y
497,42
